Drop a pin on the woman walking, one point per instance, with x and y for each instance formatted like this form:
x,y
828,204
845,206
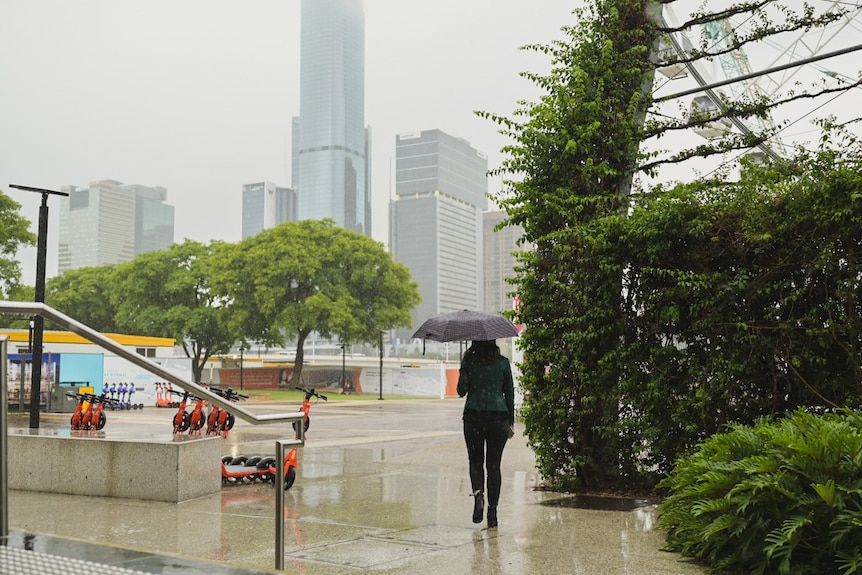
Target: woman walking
x,y
489,419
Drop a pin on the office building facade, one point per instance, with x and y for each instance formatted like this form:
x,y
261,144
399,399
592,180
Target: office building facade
x,y
436,220
499,261
154,219
265,205
331,151
110,223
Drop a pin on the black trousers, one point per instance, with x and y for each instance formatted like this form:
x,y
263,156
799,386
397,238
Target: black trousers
x,y
486,433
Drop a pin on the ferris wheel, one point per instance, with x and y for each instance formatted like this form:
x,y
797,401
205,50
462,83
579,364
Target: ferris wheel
x,y
731,74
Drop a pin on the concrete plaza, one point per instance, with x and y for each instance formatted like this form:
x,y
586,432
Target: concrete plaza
x,y
382,487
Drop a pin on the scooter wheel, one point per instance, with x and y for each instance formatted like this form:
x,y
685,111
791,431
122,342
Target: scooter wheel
x,y
253,460
102,421
289,478
230,421
266,463
239,460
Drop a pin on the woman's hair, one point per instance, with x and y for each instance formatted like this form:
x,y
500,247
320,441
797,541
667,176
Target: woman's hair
x,y
486,352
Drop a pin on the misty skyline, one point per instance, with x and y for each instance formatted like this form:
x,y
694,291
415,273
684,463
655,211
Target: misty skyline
x,y
198,96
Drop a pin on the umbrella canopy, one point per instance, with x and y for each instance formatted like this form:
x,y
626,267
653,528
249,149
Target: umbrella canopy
x,y
466,325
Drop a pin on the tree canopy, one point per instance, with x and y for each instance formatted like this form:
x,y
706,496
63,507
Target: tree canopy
x,y
14,234
168,293
312,276
86,295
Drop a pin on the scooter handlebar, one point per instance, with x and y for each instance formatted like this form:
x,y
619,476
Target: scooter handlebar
x,y
228,394
311,392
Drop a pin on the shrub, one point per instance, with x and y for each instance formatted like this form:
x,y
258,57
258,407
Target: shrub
x,y
784,496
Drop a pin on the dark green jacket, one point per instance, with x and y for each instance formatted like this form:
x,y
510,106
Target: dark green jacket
x,y
487,387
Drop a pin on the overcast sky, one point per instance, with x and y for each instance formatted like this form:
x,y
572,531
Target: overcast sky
x,y
198,95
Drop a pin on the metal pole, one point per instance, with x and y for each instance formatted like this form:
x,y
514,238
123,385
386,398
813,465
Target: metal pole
x,y
38,321
281,447
381,366
343,370
241,350
279,501
4,443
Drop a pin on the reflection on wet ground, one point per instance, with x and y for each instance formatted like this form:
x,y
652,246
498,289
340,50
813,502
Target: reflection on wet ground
x,y
600,503
381,488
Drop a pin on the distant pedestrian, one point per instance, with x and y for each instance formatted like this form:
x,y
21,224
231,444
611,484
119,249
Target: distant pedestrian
x,y
489,419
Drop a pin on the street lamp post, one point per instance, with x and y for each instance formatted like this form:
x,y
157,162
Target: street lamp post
x,y
381,367
38,320
343,369
241,350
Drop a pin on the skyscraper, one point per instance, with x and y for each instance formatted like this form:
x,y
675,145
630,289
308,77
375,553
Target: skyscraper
x,y
154,219
111,223
330,142
265,205
499,261
436,220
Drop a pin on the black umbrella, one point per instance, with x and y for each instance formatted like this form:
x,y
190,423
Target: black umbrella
x,y
466,325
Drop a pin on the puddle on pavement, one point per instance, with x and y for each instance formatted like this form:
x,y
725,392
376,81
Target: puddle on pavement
x,y
600,503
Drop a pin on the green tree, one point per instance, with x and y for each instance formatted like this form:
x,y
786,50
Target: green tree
x,y
373,293
19,292
84,294
566,177
312,276
168,293
576,151
14,234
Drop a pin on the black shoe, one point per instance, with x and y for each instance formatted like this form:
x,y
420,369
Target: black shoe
x,y
478,505
492,516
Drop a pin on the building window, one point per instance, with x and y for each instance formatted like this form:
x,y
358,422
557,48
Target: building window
x,y
146,351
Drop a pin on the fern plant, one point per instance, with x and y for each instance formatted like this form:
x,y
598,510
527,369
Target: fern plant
x,y
784,496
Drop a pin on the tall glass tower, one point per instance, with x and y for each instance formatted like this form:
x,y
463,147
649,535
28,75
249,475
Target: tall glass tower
x,y
330,141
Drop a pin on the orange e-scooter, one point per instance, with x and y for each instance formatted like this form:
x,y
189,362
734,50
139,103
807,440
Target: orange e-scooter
x,y
306,407
241,469
220,421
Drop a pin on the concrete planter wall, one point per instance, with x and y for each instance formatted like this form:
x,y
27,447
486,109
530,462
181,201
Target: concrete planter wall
x,y
174,470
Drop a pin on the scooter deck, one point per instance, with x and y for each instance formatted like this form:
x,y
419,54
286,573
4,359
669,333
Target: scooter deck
x,y
243,470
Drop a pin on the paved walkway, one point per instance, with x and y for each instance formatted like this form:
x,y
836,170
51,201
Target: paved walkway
x,y
382,488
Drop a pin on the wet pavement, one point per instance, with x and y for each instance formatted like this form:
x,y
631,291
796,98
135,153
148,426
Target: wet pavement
x,y
382,487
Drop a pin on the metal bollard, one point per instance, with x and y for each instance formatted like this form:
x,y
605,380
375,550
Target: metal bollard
x,y
4,442
281,447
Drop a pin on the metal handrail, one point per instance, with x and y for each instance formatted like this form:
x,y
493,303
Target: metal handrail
x,y
49,313
35,308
